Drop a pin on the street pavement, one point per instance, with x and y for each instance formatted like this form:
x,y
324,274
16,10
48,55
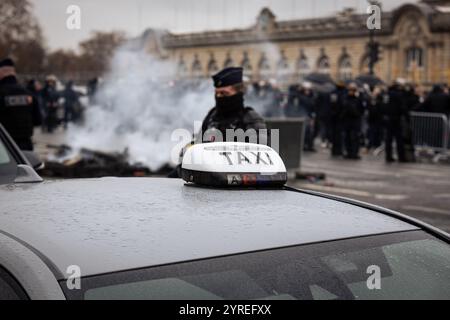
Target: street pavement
x,y
421,190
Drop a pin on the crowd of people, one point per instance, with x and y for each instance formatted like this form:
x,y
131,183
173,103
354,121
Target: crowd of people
x,y
344,116
57,106
353,115
27,104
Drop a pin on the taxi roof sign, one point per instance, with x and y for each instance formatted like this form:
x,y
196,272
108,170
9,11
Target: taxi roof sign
x,y
233,164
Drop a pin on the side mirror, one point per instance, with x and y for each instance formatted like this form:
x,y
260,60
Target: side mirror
x,y
26,174
34,160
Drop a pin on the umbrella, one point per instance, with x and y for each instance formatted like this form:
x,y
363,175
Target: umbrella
x,y
321,82
369,79
325,88
319,78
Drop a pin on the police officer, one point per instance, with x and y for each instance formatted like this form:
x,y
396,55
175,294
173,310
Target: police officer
x,y
352,113
307,104
336,101
375,118
395,113
437,101
230,112
72,109
51,97
19,112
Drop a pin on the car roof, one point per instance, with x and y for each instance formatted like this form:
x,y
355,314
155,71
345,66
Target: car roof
x,y
113,224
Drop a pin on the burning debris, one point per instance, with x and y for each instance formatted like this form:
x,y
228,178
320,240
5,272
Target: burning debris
x,y
86,163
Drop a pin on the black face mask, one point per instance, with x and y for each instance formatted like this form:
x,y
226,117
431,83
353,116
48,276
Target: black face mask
x,y
231,104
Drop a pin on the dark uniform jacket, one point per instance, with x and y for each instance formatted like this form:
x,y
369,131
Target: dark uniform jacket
x,y
19,111
394,108
437,102
352,108
246,118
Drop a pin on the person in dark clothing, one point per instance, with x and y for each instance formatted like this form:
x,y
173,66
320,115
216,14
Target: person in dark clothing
x,y
35,88
92,87
336,101
301,103
395,113
437,101
50,97
352,113
306,105
272,99
323,117
71,104
412,99
19,112
292,107
230,112
375,118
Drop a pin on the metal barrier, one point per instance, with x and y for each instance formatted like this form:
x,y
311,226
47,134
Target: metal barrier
x,y
430,130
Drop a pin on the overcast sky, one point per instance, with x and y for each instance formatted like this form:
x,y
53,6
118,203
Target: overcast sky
x,y
134,16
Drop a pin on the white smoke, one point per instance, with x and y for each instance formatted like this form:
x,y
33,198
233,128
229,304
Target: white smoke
x,y
138,110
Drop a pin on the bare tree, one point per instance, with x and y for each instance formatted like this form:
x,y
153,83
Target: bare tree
x,y
97,51
21,36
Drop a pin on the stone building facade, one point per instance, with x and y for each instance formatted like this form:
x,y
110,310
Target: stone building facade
x,y
414,40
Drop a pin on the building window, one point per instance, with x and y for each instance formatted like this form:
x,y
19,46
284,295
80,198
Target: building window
x,y
182,68
323,63
263,62
345,67
283,63
212,64
228,61
196,67
246,65
302,64
364,66
246,62
414,58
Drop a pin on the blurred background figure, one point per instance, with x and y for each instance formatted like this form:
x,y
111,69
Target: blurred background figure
x,y
34,87
92,87
336,106
307,105
437,101
19,111
271,99
51,97
375,118
395,112
352,113
72,105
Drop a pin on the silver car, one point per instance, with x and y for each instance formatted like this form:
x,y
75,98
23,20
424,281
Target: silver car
x,y
150,238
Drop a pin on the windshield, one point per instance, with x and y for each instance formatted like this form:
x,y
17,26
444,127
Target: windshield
x,y
8,167
408,265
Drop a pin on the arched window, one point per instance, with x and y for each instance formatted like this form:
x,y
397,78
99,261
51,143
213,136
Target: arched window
x,y
246,65
228,61
246,62
182,68
212,64
364,65
323,63
263,62
283,63
303,64
345,68
414,58
196,67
